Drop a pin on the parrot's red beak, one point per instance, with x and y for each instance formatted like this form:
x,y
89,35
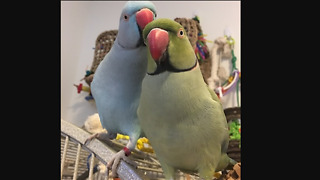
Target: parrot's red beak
x,y
143,17
158,40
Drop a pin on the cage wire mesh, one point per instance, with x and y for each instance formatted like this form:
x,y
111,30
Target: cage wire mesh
x,y
77,163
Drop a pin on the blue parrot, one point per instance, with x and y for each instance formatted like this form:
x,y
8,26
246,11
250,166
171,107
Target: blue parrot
x,y
116,84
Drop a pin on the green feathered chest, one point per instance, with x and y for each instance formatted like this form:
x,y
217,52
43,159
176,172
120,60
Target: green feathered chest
x,y
177,98
179,116
175,94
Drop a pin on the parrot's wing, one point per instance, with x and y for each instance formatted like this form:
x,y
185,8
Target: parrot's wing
x,y
213,95
225,160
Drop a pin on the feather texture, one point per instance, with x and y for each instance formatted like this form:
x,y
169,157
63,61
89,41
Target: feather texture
x,y
183,119
116,85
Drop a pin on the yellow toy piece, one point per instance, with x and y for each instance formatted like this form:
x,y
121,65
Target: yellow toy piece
x,y
121,136
86,88
230,79
80,88
144,145
230,40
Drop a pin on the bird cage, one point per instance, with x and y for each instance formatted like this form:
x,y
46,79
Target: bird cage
x,y
80,161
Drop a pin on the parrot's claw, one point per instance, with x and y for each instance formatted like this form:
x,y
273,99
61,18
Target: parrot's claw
x,y
115,160
90,138
102,136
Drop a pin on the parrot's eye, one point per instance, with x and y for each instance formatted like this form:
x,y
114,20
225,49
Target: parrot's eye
x,y
180,33
126,17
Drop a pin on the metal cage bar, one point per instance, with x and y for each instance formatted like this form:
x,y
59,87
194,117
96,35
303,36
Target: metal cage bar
x,y
91,166
100,150
77,162
148,166
64,155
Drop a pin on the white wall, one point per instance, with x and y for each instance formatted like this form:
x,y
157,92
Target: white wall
x,y
83,21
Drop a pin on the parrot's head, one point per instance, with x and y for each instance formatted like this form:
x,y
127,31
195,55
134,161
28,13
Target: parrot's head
x,y
169,47
134,17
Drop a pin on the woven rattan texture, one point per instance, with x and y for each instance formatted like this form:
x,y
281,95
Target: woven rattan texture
x,y
104,43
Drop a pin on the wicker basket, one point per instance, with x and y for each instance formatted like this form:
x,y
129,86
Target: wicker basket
x,y
104,43
233,151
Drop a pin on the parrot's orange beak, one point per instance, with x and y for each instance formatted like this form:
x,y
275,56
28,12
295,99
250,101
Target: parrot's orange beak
x,y
143,17
158,40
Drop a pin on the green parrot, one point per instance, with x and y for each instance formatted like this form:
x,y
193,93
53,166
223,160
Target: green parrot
x,y
183,119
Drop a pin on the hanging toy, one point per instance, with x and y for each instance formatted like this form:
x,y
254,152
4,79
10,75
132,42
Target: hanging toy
x,y
221,49
229,85
80,88
88,76
88,73
201,49
234,79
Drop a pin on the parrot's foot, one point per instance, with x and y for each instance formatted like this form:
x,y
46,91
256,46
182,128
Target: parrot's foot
x,y
105,137
115,160
90,138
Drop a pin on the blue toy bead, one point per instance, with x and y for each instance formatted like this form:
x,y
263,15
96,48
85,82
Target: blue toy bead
x,y
88,97
88,72
95,168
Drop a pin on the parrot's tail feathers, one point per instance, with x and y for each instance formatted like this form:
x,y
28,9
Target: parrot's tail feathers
x,y
233,162
226,162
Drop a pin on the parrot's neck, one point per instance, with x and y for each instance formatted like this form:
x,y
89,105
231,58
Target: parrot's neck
x,y
166,66
128,66
139,43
